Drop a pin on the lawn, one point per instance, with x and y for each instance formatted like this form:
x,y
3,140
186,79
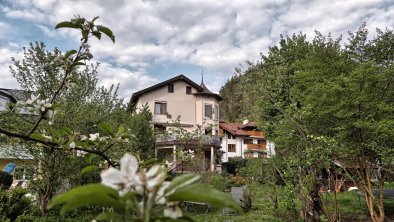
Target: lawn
x,y
351,206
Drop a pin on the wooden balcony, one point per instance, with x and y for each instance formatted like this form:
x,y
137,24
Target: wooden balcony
x,y
261,147
256,134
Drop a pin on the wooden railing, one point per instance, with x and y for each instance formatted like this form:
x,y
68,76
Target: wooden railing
x,y
256,146
256,133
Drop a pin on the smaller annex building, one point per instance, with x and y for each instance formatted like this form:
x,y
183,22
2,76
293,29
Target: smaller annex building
x,y
244,140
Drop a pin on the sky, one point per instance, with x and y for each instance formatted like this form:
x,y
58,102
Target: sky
x,y
157,40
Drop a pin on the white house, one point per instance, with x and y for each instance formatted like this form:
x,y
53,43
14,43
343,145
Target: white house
x,y
195,105
244,140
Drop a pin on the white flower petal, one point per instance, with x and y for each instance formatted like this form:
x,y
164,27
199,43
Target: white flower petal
x,y
111,177
72,145
173,211
128,165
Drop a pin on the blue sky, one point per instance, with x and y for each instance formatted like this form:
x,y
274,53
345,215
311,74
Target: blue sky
x,y
157,39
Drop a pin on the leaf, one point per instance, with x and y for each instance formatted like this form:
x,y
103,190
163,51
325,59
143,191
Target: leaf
x,y
83,190
38,136
88,158
89,199
109,216
106,31
65,24
107,128
69,53
97,34
120,130
89,168
95,18
181,181
204,194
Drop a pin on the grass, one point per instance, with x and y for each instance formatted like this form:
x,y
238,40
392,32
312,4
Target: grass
x,y
351,206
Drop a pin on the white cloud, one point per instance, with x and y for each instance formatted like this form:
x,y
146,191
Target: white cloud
x,y
217,35
7,81
130,82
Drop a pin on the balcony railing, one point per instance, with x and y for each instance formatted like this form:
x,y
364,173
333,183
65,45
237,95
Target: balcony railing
x,y
261,147
203,140
256,133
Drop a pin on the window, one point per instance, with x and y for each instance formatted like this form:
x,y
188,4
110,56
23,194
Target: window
x,y
159,127
216,112
171,88
208,110
261,141
231,148
23,173
188,90
248,141
160,108
3,103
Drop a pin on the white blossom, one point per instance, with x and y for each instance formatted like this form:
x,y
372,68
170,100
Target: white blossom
x,y
84,138
124,179
72,145
94,137
172,210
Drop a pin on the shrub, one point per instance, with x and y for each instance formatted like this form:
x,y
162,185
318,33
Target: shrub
x,y
233,165
237,181
215,181
13,204
5,180
246,201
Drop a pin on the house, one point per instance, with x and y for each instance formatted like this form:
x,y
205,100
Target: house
x,y
14,154
195,106
244,140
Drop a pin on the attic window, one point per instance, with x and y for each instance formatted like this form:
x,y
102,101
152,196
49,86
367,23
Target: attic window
x,y
188,90
171,88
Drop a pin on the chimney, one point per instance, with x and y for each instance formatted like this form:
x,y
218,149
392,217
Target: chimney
x,y
245,122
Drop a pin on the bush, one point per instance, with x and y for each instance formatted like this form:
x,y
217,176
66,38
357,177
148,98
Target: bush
x,y
13,204
215,181
5,180
237,181
233,165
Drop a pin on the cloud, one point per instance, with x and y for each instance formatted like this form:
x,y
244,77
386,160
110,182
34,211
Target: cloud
x,y
129,81
214,35
7,81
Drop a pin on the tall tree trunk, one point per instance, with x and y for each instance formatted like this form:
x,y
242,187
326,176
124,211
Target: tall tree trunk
x,y
45,197
372,204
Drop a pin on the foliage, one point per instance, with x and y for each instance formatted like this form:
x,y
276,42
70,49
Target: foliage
x,y
5,180
246,201
140,195
322,101
215,181
74,107
14,204
233,165
237,181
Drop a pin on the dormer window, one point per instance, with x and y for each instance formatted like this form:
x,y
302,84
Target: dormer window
x,y
188,90
171,88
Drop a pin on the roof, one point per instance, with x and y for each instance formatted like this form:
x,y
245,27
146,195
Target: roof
x,y
201,89
15,94
207,92
234,129
11,152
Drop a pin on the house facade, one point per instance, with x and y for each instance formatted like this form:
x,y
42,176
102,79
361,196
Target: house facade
x,y
13,154
196,109
244,140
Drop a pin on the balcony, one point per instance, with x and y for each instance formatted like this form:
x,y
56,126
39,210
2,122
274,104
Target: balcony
x,y
260,147
205,140
256,134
